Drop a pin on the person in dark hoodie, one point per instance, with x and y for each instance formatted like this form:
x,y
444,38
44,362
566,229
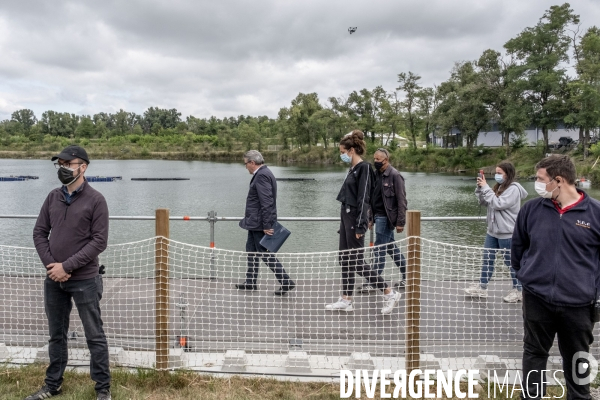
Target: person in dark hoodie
x,y
70,233
354,197
503,203
556,253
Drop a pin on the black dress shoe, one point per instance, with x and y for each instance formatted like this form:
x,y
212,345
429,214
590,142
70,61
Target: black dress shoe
x,y
245,286
284,289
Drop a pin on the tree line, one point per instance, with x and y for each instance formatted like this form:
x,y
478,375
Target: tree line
x,y
527,84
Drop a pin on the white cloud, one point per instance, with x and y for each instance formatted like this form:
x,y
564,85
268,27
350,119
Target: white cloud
x,y
237,57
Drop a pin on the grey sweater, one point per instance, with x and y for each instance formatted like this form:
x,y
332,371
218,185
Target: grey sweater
x,y
501,210
74,234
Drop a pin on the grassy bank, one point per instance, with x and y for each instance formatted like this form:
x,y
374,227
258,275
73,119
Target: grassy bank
x,y
16,383
179,148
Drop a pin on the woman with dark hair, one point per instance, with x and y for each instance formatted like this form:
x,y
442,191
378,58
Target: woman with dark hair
x,y
503,203
355,196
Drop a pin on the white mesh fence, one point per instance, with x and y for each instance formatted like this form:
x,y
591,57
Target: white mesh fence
x,y
215,327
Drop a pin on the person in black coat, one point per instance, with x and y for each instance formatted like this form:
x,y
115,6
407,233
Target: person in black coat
x,y
259,218
354,197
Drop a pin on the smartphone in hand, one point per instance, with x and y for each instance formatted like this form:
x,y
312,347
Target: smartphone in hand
x,y
480,175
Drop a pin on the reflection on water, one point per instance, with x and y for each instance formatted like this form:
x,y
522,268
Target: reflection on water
x,y
223,187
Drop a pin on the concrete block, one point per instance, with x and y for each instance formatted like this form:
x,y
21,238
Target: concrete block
x,y
42,355
429,361
235,361
115,354
4,354
297,361
176,358
485,363
360,361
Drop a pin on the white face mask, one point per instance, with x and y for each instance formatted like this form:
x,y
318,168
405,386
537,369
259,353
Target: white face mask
x,y
540,188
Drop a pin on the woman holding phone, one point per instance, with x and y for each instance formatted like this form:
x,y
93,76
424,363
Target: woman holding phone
x,y
354,197
503,203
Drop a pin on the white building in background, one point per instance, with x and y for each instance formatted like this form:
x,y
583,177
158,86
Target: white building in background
x,y
493,137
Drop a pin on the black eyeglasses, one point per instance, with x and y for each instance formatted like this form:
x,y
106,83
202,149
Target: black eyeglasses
x,y
66,165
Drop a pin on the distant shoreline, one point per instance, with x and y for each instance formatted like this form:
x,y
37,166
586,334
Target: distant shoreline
x,y
456,161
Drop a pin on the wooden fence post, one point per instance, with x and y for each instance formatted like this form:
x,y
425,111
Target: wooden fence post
x,y
413,291
161,275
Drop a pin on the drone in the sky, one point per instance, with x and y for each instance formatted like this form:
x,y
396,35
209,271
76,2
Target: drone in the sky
x,y
352,29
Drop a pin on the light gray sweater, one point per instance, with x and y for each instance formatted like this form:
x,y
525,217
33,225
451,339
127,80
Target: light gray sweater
x,y
501,210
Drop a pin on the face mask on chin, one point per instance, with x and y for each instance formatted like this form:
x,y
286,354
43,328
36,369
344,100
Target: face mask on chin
x,y
540,188
65,175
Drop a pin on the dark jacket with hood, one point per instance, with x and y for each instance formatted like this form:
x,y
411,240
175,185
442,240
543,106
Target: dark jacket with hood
x,y
557,256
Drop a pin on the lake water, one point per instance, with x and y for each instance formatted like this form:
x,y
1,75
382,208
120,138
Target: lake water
x,y
223,187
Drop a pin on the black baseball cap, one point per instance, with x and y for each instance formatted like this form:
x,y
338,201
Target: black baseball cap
x,y
72,152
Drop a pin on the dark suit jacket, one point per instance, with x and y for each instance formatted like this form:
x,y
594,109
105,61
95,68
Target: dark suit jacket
x,y
261,203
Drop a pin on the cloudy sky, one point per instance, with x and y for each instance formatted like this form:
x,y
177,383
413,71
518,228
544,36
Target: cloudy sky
x,y
237,57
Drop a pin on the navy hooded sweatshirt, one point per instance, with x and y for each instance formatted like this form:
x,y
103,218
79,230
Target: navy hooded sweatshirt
x,y
556,255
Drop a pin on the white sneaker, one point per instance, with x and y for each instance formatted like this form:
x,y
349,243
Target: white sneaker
x,y
474,286
390,301
476,290
514,296
340,305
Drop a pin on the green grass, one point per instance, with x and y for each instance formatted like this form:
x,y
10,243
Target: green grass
x,y
16,383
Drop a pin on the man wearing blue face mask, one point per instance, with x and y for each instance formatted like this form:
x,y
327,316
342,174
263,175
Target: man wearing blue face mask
x,y
556,252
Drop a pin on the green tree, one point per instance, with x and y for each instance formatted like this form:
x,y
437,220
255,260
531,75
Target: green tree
x,y
197,125
461,103
302,108
85,128
122,122
427,102
585,90
155,118
542,51
58,124
390,116
503,97
137,130
326,121
248,134
25,117
409,84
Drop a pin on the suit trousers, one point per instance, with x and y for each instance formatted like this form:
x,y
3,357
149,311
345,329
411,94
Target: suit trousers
x,y
257,252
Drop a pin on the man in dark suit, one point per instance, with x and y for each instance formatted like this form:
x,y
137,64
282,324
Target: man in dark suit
x,y
259,218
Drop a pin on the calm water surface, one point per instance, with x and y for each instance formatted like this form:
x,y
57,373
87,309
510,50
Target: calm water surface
x,y
223,187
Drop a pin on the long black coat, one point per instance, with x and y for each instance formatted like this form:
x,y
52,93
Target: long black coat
x,y
261,203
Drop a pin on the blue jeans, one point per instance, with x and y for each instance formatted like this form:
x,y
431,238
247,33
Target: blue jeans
x,y
57,301
489,256
384,234
256,252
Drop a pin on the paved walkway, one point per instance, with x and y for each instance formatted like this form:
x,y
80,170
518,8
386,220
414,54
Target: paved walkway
x,y
218,317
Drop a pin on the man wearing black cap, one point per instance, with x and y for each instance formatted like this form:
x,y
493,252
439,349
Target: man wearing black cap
x,y
77,216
